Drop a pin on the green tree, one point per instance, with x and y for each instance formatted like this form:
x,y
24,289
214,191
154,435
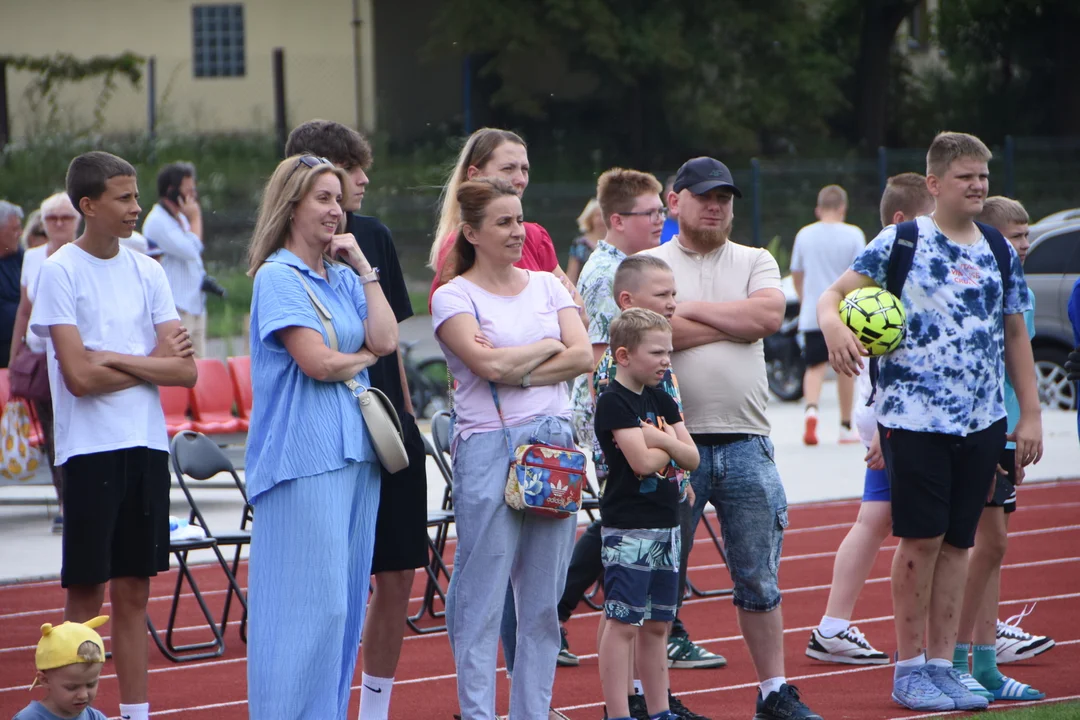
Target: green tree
x,y
667,78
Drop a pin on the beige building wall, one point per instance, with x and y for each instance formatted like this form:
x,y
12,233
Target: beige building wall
x,y
317,35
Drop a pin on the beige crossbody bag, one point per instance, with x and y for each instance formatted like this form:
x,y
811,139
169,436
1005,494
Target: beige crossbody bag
x,y
382,421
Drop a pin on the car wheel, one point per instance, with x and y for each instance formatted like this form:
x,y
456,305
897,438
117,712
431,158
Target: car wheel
x,y
1055,391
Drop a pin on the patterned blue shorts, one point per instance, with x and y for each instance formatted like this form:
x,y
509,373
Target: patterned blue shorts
x,y
641,574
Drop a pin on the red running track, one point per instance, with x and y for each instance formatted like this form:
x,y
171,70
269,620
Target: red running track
x,y
1042,564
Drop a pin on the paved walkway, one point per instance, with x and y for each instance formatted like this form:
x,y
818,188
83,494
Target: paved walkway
x,y
826,472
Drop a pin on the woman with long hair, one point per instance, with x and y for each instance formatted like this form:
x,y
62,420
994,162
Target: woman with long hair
x,y
478,317
312,473
492,153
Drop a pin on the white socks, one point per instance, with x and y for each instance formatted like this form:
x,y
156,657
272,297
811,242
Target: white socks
x,y
770,686
904,667
135,712
830,627
375,697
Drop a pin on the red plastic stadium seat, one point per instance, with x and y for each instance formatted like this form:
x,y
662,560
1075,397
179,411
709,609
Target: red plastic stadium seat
x,y
240,371
212,400
174,401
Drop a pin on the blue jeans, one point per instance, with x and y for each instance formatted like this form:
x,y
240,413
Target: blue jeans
x,y
741,481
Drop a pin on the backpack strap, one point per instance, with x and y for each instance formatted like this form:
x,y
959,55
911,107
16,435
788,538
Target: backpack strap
x,y
900,260
1000,247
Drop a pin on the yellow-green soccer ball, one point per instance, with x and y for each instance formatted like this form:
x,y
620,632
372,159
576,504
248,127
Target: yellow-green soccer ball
x,y
876,317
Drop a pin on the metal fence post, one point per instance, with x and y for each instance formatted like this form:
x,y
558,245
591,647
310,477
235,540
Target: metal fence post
x,y
280,126
5,128
755,184
466,94
1010,166
151,97
882,167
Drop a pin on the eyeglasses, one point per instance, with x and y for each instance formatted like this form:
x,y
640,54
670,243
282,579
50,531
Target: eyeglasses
x,y
312,161
655,215
61,218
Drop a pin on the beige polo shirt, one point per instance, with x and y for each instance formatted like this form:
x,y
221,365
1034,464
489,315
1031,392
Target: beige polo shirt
x,y
723,384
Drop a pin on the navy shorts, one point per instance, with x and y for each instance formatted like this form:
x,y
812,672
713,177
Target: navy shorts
x,y
876,486
641,574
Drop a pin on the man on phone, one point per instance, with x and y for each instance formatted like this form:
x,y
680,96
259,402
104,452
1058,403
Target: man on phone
x,y
175,226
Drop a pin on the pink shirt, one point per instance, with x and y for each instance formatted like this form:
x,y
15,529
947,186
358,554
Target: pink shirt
x,y
529,316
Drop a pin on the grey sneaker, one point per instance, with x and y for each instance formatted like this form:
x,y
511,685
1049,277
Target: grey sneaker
x,y
948,681
916,691
683,653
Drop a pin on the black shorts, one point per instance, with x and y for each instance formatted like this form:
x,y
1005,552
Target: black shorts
x,y
814,350
116,516
1005,485
401,528
939,482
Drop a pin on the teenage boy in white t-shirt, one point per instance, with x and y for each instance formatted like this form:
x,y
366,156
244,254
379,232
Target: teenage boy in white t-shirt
x,y
116,337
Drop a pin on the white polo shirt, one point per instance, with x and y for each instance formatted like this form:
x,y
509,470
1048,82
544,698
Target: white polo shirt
x,y
724,386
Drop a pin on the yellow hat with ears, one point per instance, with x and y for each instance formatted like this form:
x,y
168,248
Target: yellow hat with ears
x,y
59,645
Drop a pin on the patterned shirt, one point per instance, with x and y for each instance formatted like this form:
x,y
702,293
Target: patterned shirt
x,y
602,377
595,285
948,374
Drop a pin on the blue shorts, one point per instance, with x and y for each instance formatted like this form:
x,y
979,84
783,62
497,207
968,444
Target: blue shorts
x,y
876,486
641,574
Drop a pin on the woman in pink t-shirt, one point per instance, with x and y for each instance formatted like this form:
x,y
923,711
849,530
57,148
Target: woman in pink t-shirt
x,y
519,330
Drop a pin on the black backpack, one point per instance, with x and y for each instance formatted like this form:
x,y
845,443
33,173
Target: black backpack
x,y
903,254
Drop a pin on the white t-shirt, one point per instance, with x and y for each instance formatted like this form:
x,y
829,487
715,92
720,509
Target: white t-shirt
x,y
116,304
822,252
31,266
864,416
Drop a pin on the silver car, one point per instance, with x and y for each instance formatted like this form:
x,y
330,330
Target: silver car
x,y
1051,269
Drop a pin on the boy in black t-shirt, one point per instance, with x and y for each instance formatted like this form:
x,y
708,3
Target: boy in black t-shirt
x,y
643,437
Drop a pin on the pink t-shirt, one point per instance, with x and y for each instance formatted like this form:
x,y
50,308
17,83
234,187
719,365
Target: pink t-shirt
x,y
529,316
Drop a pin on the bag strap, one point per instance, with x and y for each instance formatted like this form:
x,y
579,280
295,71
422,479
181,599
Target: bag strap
x,y
1000,247
327,323
900,260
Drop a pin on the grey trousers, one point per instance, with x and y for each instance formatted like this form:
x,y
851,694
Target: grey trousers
x,y
497,545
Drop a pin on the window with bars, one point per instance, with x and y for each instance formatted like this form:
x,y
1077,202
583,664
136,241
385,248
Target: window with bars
x,y
217,33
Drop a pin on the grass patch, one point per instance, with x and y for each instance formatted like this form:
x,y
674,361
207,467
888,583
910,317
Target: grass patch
x,y
1054,711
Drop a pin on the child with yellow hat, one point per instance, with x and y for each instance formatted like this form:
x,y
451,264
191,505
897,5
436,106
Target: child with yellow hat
x,y
69,661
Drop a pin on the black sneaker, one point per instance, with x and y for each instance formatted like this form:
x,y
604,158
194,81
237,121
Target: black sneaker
x,y
684,713
566,658
784,704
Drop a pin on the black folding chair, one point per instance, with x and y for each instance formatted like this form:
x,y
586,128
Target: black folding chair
x,y
196,456
439,521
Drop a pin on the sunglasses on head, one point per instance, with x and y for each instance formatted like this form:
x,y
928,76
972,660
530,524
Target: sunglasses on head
x,y
312,161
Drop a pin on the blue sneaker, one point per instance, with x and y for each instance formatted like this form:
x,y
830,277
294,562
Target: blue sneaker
x,y
947,680
916,691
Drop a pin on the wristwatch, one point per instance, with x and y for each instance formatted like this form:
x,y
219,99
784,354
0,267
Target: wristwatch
x,y
370,277
526,381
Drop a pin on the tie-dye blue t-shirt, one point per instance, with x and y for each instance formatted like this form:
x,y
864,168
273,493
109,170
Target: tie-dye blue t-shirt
x,y
948,374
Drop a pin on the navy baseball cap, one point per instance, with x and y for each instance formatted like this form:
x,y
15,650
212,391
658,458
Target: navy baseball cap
x,y
703,174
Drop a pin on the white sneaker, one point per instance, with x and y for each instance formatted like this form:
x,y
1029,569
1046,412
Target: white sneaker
x,y
1014,644
849,436
849,647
